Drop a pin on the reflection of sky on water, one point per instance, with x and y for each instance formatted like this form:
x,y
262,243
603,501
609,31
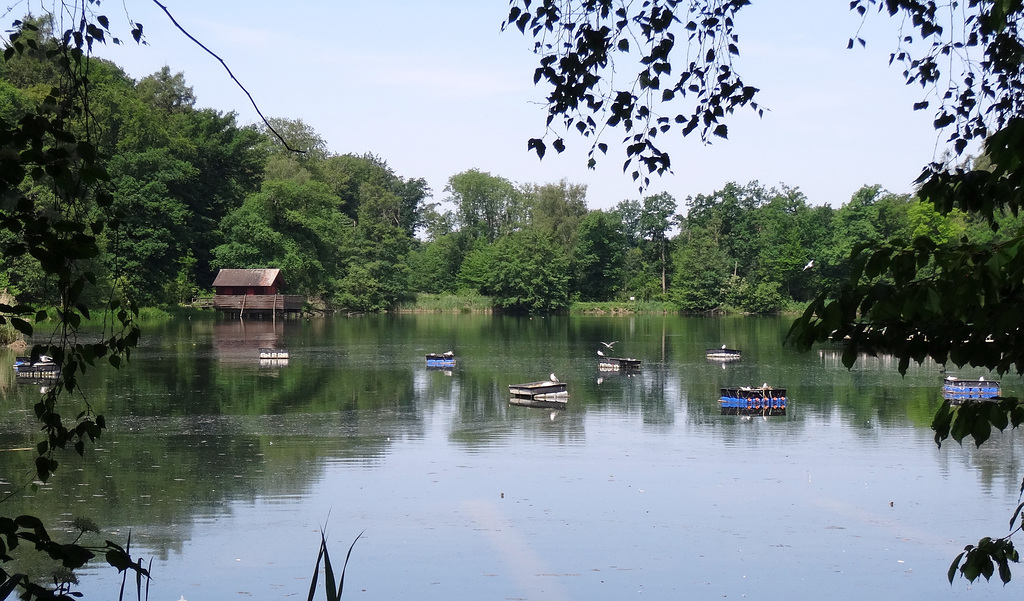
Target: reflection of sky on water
x,y
638,487
787,515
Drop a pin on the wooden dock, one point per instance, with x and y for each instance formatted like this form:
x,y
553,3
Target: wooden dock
x,y
258,305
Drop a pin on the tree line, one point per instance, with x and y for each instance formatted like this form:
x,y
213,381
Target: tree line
x,y
193,191
744,247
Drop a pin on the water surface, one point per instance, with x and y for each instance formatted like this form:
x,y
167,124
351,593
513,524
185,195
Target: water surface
x,y
224,470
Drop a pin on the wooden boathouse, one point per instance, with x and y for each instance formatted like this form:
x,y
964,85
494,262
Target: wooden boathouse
x,y
254,293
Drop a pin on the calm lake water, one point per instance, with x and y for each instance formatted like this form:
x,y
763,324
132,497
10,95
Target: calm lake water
x,y
224,470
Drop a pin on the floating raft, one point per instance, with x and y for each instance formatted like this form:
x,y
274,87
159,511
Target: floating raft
x,y
747,400
955,389
42,369
618,364
273,353
723,354
441,360
273,357
547,394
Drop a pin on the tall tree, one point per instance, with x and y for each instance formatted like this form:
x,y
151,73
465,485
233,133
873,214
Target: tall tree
x,y
166,92
487,205
557,210
599,257
656,219
529,273
356,178
702,271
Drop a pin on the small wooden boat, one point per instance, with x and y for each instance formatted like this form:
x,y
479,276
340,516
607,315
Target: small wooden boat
x,y
441,360
751,400
958,390
618,364
42,368
723,354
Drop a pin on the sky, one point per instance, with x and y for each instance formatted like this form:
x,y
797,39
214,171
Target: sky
x,y
436,88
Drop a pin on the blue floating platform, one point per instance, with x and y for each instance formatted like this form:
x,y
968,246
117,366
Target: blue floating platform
x,y
753,400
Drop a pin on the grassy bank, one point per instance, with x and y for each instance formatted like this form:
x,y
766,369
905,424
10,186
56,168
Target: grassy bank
x,y
146,315
622,308
474,303
447,303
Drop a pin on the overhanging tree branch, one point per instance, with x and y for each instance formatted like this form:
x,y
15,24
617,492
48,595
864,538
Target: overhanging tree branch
x,y
230,74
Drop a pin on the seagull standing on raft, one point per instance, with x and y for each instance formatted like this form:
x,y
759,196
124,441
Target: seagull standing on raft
x,y
553,377
600,354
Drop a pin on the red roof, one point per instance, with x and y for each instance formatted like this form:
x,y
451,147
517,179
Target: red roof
x,y
247,277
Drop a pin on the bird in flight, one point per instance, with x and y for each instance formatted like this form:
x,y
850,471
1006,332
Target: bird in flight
x,y
809,265
610,344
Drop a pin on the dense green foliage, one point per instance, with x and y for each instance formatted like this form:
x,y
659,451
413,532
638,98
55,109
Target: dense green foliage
x,y
193,192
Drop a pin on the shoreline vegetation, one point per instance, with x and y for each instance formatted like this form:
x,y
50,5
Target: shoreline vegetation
x,y
475,303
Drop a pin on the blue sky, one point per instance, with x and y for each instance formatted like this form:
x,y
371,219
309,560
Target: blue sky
x,y
435,88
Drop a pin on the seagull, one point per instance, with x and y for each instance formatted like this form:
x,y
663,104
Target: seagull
x,y
723,347
553,377
809,265
600,354
610,344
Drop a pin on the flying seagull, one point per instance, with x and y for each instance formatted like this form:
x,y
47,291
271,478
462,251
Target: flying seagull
x,y
809,265
553,377
610,344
